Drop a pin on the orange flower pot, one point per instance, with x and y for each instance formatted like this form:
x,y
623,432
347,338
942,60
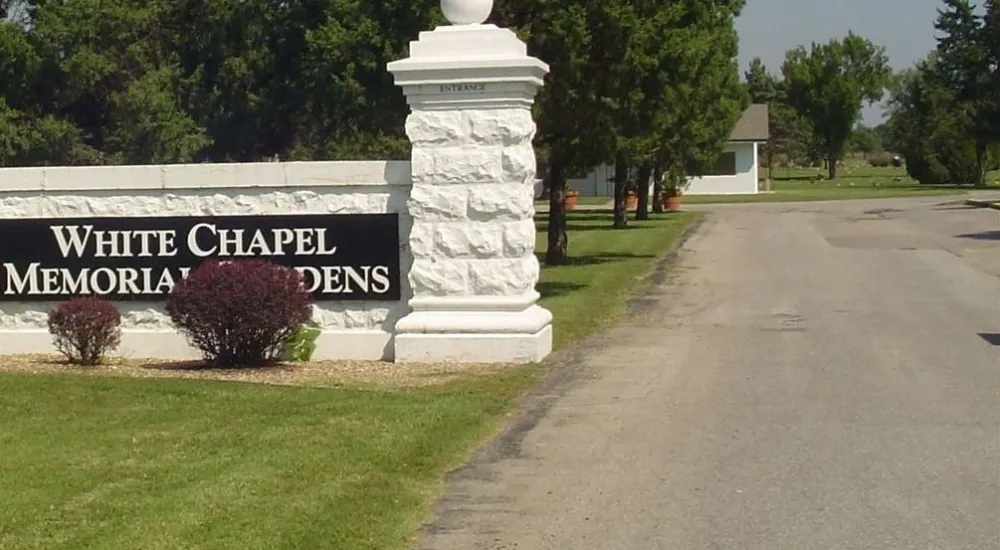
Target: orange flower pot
x,y
569,200
671,202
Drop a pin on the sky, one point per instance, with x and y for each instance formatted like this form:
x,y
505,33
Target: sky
x,y
769,28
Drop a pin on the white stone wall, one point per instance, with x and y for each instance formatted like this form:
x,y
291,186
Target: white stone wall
x,y
472,203
350,329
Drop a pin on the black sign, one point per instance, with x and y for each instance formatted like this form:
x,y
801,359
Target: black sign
x,y
341,257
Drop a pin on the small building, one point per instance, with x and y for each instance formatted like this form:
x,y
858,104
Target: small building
x,y
735,171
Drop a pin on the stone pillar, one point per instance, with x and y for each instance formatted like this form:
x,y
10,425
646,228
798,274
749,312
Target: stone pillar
x,y
470,88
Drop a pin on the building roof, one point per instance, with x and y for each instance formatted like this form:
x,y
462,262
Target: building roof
x,y
752,125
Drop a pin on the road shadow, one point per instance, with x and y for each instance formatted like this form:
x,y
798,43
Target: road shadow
x,y
579,221
941,208
572,227
993,235
556,288
992,338
592,259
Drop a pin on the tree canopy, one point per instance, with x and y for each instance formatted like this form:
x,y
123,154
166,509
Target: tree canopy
x,y
828,85
944,115
127,81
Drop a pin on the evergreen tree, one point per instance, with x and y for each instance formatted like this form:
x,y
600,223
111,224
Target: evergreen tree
x,y
763,87
702,95
963,65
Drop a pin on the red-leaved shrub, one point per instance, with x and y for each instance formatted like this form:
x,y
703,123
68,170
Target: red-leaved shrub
x,y
239,313
85,329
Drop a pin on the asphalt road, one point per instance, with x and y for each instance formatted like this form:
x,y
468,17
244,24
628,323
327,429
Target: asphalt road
x,y
811,376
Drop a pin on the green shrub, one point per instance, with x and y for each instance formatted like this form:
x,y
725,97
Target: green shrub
x,y
926,169
993,158
880,160
301,345
959,159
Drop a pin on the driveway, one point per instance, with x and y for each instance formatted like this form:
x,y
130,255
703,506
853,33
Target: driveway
x,y
809,376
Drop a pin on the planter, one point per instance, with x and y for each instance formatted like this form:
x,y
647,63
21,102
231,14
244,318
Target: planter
x,y
631,200
671,202
569,200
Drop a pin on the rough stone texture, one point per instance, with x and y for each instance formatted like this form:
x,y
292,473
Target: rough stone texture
x,y
439,203
347,200
503,277
472,202
198,176
502,202
459,164
338,199
425,128
519,163
518,238
439,278
151,316
507,127
473,173
468,240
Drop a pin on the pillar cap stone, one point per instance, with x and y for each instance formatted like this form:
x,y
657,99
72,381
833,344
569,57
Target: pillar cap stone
x,y
468,66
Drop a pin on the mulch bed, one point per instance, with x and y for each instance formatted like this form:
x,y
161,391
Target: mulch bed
x,y
315,374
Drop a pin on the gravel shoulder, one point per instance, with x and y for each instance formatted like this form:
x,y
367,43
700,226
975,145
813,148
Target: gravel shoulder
x,y
313,374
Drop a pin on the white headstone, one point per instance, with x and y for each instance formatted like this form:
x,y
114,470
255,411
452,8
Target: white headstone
x,y
470,88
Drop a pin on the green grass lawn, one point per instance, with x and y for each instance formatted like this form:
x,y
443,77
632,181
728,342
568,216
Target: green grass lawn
x,y
593,288
115,463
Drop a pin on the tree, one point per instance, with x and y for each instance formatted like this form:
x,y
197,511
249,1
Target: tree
x,y
884,137
991,37
864,141
828,84
964,65
574,129
115,81
17,12
101,86
763,87
297,80
701,93
925,129
631,52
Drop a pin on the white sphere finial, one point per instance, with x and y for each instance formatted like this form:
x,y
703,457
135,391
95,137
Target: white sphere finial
x,y
466,12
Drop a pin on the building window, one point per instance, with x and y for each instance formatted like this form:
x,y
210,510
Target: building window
x,y
725,165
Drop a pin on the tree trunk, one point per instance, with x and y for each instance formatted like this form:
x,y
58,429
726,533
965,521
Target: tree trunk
x,y
657,189
642,188
831,165
558,240
621,180
543,169
980,163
